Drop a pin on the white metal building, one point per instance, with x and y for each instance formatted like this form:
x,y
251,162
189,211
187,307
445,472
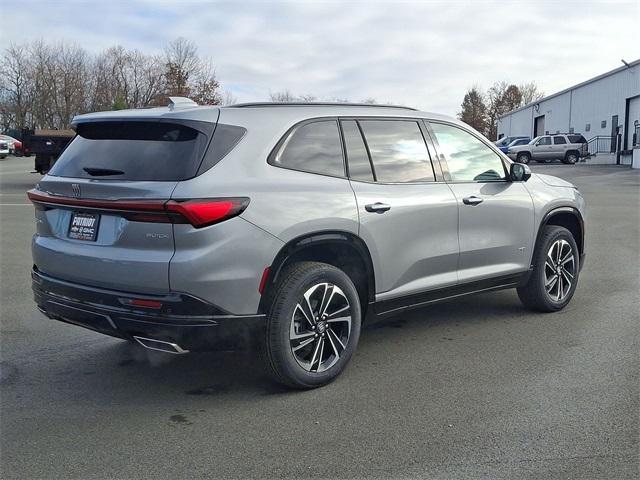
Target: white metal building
x,y
605,109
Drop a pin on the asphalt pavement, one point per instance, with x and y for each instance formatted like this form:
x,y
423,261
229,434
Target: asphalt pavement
x,y
475,388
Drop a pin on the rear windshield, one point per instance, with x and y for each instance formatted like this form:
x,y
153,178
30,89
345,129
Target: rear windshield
x,y
143,151
576,139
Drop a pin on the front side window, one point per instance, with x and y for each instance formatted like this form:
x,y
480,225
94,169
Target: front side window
x,y
398,151
559,140
544,141
468,159
313,147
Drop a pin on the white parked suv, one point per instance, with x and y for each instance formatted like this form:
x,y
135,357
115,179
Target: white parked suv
x,y
567,148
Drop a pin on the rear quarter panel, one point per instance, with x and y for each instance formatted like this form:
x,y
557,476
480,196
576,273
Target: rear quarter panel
x,y
229,258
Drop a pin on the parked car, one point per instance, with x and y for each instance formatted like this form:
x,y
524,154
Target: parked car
x,y
506,141
16,136
568,148
11,142
515,143
4,148
193,228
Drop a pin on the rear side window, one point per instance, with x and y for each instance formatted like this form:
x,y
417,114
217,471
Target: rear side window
x,y
313,147
398,151
357,156
559,141
576,139
142,151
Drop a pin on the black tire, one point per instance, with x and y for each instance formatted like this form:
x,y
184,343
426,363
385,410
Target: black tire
x,y
284,365
523,157
571,158
534,294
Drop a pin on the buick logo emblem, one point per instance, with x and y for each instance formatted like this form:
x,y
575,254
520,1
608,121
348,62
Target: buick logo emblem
x,y
75,189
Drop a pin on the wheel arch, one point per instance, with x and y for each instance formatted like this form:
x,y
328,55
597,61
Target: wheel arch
x,y
343,250
567,217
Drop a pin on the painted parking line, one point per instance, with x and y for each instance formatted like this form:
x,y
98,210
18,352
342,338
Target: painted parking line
x,y
13,204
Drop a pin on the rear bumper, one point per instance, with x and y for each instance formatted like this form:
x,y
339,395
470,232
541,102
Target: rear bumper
x,y
183,320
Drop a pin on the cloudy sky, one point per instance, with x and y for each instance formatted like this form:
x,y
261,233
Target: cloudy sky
x,y
420,53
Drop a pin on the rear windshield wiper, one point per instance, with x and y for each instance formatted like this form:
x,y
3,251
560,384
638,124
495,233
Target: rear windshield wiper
x,y
102,172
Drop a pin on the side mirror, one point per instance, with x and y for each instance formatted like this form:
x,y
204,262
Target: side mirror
x,y
519,172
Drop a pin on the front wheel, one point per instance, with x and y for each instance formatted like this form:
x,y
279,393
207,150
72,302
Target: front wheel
x,y
523,158
555,273
313,325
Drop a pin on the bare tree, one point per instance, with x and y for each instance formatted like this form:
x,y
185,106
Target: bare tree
x,y
284,96
501,98
16,86
44,85
188,75
530,93
228,98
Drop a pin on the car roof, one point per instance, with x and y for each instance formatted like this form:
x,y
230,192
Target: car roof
x,y
288,112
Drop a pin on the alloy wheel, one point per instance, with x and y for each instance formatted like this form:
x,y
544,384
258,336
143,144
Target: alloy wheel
x,y
559,270
320,327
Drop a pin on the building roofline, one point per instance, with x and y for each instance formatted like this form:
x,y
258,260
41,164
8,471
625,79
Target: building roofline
x,y
581,84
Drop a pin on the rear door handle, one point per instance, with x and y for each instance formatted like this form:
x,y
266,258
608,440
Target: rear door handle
x,y
472,200
377,207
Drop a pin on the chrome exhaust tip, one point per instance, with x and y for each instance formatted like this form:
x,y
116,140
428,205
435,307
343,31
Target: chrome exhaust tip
x,y
159,345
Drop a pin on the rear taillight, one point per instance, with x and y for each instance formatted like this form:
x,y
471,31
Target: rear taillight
x,y
198,212
204,212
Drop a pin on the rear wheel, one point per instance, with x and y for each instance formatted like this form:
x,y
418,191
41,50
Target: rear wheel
x,y
570,158
555,272
523,157
313,325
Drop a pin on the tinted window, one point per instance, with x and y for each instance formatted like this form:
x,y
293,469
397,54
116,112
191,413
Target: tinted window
x,y
224,139
559,140
522,141
468,159
577,139
313,147
398,151
154,151
357,157
544,141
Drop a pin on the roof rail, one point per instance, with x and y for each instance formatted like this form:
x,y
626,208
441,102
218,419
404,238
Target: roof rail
x,y
181,102
316,104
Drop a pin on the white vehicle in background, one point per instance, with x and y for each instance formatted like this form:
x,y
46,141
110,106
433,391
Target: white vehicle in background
x,y
568,148
11,143
4,148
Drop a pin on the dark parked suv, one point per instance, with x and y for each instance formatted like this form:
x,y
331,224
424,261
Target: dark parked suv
x,y
191,228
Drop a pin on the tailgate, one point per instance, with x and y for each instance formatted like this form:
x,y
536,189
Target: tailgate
x,y
101,211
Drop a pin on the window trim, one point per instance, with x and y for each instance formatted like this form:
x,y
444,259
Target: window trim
x,y
280,144
437,170
443,160
366,148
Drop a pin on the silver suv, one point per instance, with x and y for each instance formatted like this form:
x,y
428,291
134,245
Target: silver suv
x,y
192,228
567,148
